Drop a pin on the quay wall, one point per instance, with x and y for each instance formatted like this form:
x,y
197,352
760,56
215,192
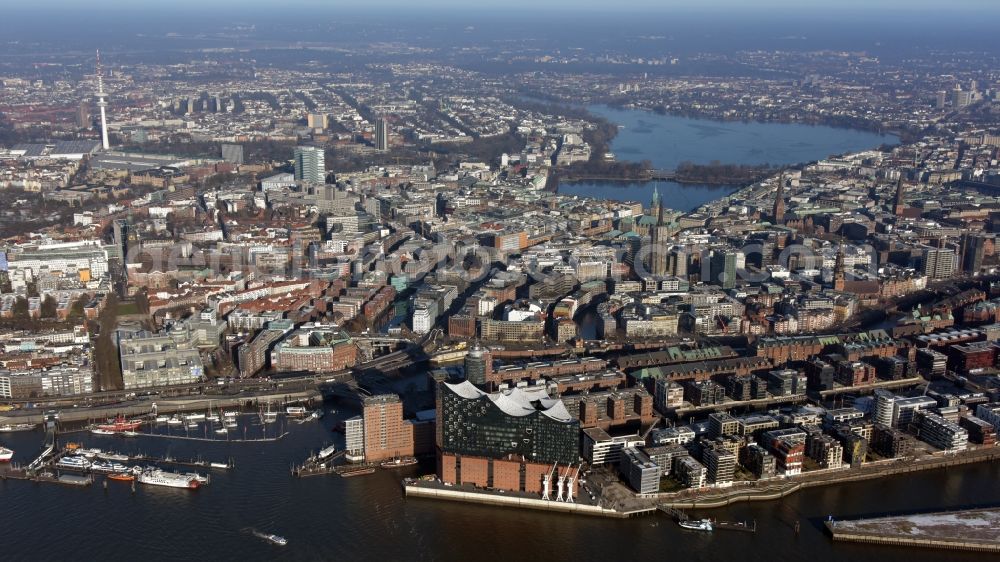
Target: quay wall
x,y
899,540
417,490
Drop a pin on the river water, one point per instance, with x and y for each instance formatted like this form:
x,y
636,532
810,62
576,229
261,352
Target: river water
x,y
367,517
668,140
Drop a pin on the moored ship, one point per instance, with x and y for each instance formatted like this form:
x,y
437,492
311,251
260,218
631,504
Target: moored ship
x,y
700,525
73,463
398,462
108,467
120,424
109,456
6,454
122,476
157,477
16,427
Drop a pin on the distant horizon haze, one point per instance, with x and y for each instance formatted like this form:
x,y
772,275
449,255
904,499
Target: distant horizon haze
x,y
816,7
883,28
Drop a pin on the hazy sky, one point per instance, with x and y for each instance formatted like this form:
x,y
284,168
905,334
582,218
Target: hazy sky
x,y
815,6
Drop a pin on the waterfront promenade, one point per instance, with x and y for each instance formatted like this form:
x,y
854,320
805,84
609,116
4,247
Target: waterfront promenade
x,y
775,489
709,498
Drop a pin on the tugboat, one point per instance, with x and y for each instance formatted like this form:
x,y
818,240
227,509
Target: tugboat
x,y
700,525
122,477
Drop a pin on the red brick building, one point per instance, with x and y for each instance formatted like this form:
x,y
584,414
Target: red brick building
x,y
387,436
315,349
977,355
510,474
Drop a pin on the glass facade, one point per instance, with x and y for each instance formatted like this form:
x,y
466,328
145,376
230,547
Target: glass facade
x,y
477,427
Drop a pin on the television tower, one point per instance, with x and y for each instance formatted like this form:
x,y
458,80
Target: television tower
x,y
102,102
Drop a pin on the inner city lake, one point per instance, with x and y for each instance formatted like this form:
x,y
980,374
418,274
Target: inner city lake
x,y
668,140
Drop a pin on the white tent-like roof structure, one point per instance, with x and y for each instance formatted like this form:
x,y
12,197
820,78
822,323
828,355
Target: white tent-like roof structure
x,y
517,401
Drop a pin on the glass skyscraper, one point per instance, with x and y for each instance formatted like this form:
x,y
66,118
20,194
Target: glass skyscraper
x,y
310,164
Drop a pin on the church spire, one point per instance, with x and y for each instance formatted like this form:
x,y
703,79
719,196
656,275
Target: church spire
x,y
656,203
838,270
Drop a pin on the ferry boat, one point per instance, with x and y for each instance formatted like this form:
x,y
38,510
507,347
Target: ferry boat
x,y
122,477
194,417
398,463
700,525
108,467
120,424
158,477
326,452
73,463
6,454
7,428
295,411
272,538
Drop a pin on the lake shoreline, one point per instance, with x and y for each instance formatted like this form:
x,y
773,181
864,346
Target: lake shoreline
x,y
669,143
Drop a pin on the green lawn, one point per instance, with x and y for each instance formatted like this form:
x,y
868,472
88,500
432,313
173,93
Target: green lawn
x,y
127,308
